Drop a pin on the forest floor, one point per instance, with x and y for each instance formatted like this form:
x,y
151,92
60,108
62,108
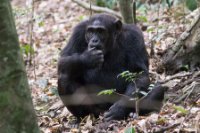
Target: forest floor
x,y
52,26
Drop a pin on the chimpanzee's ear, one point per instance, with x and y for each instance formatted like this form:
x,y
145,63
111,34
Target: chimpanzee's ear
x,y
118,24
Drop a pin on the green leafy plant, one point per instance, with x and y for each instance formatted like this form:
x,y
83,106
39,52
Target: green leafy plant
x,y
26,49
142,18
106,92
161,121
41,24
181,109
129,77
136,94
151,87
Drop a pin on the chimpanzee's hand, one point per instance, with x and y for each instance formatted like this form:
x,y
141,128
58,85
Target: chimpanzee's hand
x,y
93,58
116,112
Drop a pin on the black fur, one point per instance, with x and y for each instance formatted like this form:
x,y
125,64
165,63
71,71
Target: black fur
x,y
84,72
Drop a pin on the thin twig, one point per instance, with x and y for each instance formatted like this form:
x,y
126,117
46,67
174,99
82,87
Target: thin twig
x,y
152,52
137,100
32,54
191,90
90,8
190,80
186,117
167,128
184,14
183,96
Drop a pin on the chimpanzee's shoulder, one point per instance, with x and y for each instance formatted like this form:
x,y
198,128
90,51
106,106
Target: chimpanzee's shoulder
x,y
132,28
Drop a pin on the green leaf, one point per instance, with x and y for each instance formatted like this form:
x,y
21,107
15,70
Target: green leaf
x,y
129,76
82,17
133,99
27,49
143,93
106,92
150,29
191,4
129,130
180,109
151,86
185,68
129,79
161,121
41,24
142,18
123,74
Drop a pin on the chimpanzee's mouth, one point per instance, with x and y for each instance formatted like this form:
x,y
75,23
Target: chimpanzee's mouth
x,y
98,47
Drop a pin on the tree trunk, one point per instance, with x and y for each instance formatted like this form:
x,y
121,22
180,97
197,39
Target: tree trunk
x,y
185,53
126,8
16,108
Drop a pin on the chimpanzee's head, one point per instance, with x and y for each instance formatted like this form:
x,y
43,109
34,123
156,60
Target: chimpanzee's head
x,y
101,32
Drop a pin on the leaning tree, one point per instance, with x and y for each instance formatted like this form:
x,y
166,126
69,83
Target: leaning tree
x,y
17,113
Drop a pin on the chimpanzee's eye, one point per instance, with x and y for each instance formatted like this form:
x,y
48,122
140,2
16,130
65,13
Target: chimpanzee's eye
x,y
90,32
88,35
101,31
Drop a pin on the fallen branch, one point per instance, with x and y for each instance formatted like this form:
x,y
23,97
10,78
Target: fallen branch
x,y
96,8
183,37
192,82
185,52
195,75
188,92
179,75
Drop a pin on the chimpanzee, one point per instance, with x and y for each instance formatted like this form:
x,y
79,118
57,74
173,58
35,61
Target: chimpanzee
x,y
98,51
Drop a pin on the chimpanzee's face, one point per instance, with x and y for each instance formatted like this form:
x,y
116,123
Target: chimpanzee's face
x,y
96,35
101,32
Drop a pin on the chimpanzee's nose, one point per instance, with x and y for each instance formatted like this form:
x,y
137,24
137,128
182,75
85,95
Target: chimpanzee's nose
x,y
95,41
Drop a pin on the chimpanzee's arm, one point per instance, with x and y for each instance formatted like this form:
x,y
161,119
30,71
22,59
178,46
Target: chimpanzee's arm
x,y
72,65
